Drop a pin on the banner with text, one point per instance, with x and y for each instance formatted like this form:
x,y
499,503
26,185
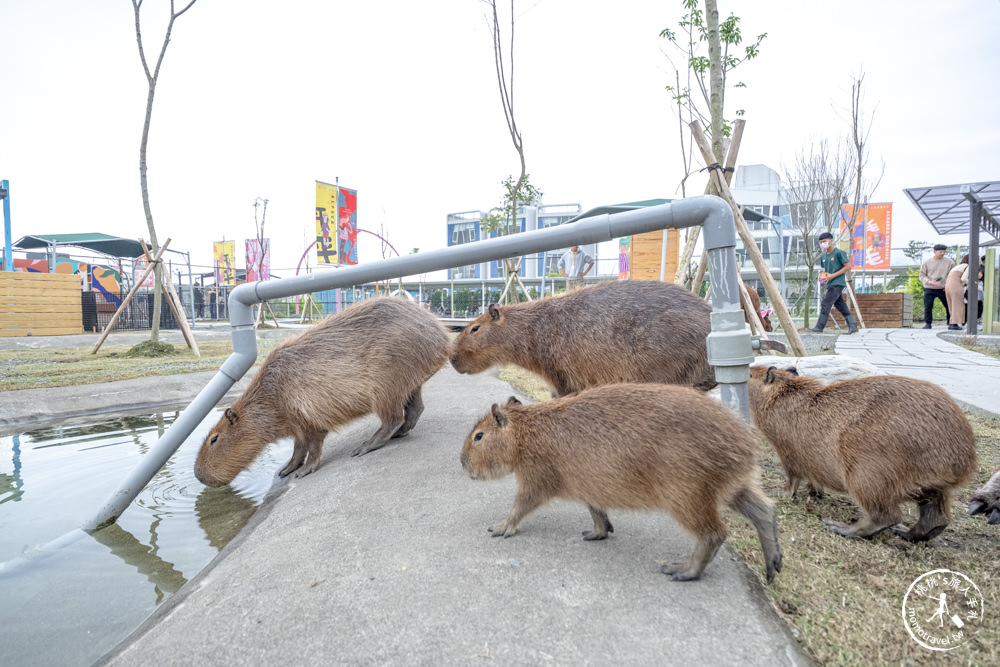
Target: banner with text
x,y
336,224
869,244
224,254
258,260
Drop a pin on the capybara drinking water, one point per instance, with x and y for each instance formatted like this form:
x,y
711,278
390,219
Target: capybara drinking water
x,y
373,357
883,439
615,331
629,446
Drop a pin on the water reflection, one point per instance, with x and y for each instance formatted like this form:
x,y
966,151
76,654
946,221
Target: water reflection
x,y
75,605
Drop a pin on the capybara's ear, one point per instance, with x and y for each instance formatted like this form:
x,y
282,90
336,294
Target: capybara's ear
x,y
512,401
769,376
494,312
499,418
792,370
232,416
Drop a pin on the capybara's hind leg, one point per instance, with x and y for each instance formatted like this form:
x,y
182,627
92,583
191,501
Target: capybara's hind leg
x,y
602,526
308,449
751,502
390,424
934,513
704,552
411,413
876,519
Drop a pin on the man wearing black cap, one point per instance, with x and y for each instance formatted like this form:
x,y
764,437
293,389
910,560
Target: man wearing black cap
x,y
835,264
933,273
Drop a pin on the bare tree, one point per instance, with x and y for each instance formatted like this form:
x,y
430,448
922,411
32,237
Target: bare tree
x,y
816,183
505,81
151,79
860,127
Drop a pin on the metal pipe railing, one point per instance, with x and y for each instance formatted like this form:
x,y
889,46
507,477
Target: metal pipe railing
x,y
727,343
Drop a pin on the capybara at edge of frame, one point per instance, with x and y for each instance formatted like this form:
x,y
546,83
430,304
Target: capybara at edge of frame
x,y
883,439
987,500
635,447
614,331
373,357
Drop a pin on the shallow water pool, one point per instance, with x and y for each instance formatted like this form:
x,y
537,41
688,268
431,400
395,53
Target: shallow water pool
x,y
71,607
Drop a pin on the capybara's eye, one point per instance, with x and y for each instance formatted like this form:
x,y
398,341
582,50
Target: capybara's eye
x,y
475,329
479,436
214,438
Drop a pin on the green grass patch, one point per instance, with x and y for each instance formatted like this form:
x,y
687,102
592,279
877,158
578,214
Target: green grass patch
x,y
64,367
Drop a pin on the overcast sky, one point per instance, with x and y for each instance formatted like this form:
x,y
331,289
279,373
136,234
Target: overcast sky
x,y
399,100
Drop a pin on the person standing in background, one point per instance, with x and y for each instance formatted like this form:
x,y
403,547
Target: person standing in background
x,y
574,265
933,273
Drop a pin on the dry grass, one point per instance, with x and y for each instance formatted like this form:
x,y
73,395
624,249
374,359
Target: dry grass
x,y
842,597
989,348
63,367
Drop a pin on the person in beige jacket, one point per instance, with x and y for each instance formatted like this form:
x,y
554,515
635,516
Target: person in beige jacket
x,y
932,276
954,288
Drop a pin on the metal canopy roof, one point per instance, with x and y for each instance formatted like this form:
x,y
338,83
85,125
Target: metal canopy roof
x,y
103,243
947,207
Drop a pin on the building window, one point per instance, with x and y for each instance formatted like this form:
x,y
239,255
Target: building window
x,y
463,232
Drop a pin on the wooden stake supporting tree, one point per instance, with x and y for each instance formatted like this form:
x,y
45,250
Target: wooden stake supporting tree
x,y
174,302
763,271
128,298
692,241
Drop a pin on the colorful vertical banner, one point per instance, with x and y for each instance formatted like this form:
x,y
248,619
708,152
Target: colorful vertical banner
x,y
336,224
224,254
347,226
872,236
326,223
258,260
624,257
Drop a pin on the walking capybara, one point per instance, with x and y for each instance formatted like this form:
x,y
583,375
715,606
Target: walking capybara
x,y
882,439
615,331
987,500
629,446
373,357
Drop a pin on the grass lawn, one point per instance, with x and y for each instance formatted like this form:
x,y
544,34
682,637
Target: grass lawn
x,y
64,367
843,597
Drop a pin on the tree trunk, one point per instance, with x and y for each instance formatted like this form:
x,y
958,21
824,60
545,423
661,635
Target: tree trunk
x,y
716,78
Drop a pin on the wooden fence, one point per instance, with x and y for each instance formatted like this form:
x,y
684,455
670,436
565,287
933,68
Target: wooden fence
x,y
883,311
39,304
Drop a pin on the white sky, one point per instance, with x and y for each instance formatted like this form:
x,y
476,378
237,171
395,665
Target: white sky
x,y
399,100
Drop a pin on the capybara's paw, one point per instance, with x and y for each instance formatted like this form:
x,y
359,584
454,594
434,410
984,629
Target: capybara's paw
x,y
680,572
306,470
365,448
987,500
908,534
839,528
590,535
290,467
502,530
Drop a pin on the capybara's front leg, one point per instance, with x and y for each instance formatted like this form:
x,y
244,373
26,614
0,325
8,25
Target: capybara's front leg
x,y
308,449
602,526
704,552
411,413
524,504
987,500
390,424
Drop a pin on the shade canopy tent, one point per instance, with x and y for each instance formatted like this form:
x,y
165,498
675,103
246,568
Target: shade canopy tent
x,y
104,244
948,208
971,209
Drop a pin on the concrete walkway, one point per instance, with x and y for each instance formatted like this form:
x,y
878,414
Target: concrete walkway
x,y
972,379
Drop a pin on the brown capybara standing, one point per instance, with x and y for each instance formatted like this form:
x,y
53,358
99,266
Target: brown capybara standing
x,y
615,331
755,305
373,357
883,439
629,446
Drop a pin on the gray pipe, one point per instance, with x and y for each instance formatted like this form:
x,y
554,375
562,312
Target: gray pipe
x,y
726,341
